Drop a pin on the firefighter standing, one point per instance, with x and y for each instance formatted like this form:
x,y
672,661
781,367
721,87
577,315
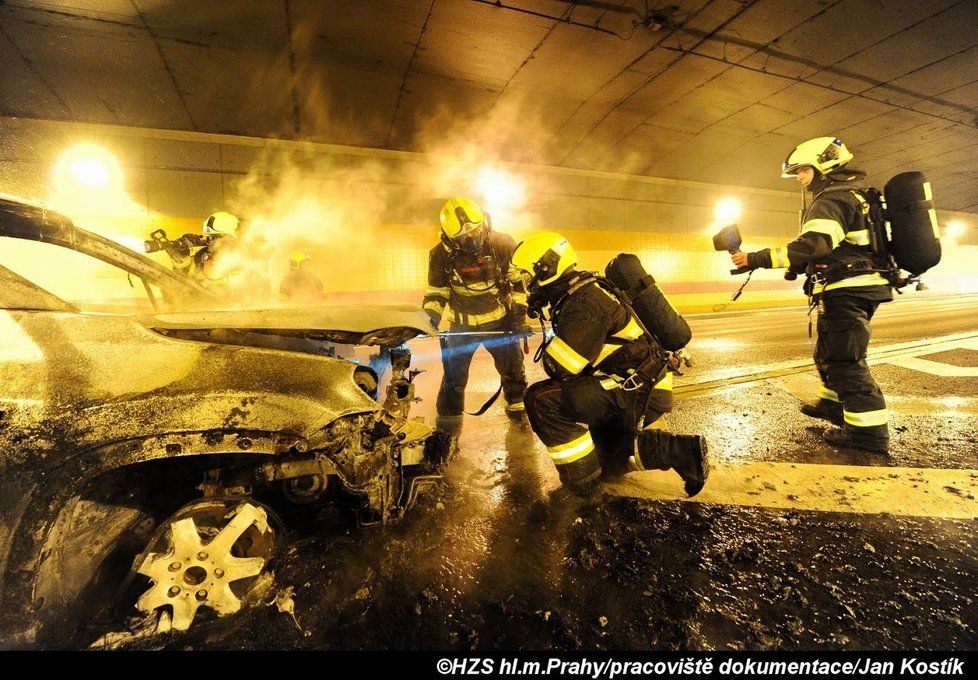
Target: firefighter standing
x,y
834,252
300,284
469,273
608,378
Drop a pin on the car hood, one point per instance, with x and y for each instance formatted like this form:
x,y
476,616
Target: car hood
x,y
348,324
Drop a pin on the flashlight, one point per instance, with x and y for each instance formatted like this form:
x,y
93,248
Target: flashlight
x,y
729,239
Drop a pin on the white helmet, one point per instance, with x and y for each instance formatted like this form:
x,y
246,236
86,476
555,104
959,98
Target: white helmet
x,y
825,154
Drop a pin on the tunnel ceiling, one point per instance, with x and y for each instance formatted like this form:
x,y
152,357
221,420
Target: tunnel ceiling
x,y
706,90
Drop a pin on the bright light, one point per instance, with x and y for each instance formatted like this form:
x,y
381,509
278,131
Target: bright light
x,y
501,191
727,211
954,229
87,166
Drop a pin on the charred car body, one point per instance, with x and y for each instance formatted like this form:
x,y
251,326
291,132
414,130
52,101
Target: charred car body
x,y
169,435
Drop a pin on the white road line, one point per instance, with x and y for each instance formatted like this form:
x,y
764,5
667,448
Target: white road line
x,y
805,388
915,492
901,349
936,368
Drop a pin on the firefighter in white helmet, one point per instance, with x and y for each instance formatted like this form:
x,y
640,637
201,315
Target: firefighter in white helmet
x,y
608,378
846,284
470,277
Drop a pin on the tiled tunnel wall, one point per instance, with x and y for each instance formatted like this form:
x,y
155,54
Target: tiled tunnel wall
x,y
175,179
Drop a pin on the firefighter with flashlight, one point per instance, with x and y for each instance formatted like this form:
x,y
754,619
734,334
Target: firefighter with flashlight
x,y
609,379
469,273
846,285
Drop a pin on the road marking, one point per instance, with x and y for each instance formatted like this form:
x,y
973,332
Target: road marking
x,y
936,368
721,378
805,388
914,492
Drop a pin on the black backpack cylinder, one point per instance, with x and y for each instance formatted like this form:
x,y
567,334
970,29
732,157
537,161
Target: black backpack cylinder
x,y
914,235
650,304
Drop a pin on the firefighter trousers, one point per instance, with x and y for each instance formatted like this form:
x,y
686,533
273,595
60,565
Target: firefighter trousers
x,y
588,424
456,358
840,356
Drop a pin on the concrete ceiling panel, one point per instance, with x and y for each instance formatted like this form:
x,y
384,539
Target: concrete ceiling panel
x,y
930,41
245,24
477,42
90,65
371,33
355,73
686,75
833,118
574,61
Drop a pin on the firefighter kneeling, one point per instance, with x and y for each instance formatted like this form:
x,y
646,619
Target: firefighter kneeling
x,y
609,378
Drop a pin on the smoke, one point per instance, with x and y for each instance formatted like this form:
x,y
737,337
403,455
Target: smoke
x,y
367,222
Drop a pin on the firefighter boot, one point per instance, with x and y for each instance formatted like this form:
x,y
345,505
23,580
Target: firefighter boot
x,y
843,438
824,410
516,413
686,454
451,427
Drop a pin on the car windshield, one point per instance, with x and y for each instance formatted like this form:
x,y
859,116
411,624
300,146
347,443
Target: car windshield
x,y
87,283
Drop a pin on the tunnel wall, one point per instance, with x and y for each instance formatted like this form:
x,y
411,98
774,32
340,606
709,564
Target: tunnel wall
x,y
175,179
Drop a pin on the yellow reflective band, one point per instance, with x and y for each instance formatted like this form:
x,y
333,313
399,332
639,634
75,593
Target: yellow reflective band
x,y
631,331
434,291
827,394
860,237
610,383
830,228
779,257
928,193
564,355
665,383
867,418
516,406
519,298
563,454
853,282
933,223
606,352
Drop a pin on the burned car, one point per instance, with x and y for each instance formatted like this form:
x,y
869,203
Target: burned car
x,y
161,435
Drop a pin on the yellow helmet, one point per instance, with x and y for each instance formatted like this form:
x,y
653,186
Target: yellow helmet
x,y
297,258
825,154
464,225
545,257
221,224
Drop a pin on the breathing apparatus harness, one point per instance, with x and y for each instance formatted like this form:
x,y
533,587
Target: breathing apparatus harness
x,y
649,372
880,261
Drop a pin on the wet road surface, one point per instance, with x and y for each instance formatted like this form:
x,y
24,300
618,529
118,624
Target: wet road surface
x,y
797,545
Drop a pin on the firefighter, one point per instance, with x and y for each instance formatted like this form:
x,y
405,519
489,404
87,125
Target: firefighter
x,y
217,227
843,281
608,379
469,273
300,284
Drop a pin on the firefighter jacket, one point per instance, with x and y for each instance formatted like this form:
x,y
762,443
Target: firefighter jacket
x,y
301,285
595,334
477,288
833,248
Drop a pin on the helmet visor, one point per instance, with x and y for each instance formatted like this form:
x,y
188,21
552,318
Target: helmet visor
x,y
471,237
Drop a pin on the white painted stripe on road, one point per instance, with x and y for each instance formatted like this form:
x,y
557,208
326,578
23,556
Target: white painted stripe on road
x,y
914,492
805,388
901,349
936,368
